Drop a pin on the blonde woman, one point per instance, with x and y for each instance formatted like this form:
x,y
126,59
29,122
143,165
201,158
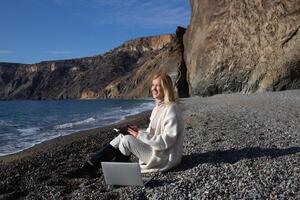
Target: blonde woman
x,y
158,148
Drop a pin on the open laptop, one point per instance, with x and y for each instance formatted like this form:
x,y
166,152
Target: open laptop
x,y
123,173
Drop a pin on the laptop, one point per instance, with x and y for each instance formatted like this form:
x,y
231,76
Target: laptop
x,y
123,173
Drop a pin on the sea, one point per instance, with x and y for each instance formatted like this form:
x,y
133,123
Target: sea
x,y
26,123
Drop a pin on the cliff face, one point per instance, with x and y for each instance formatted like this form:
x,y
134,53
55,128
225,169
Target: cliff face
x,y
169,59
67,78
248,46
147,43
114,74
229,46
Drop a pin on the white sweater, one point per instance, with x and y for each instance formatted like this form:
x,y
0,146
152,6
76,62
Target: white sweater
x,y
166,141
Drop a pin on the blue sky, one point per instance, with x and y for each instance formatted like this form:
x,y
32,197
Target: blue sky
x,y
37,30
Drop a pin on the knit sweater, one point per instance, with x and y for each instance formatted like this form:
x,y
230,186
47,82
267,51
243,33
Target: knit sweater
x,y
165,140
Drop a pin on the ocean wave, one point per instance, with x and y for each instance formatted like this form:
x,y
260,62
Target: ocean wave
x,y
147,106
70,125
141,108
11,149
19,137
122,114
28,131
5,123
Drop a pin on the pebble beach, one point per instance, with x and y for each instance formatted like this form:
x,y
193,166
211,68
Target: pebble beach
x,y
237,146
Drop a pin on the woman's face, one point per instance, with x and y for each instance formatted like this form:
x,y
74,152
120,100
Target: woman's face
x,y
156,89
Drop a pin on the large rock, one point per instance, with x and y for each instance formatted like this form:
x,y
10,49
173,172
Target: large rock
x,y
248,46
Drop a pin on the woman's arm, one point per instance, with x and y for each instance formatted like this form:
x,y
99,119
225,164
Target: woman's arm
x,y
134,130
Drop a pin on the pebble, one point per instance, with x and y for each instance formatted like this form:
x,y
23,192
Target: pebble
x,y
255,154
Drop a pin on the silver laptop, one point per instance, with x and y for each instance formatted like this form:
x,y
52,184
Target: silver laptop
x,y
123,173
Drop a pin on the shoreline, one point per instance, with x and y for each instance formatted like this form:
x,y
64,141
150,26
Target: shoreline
x,y
75,136
236,146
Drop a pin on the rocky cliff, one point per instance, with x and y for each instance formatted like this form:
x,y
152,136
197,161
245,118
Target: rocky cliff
x,y
121,73
229,46
248,46
169,59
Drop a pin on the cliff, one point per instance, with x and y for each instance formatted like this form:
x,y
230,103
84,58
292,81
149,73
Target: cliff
x,y
243,46
229,46
169,59
102,76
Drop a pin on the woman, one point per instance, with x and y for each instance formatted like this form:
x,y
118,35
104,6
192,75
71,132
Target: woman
x,y
159,148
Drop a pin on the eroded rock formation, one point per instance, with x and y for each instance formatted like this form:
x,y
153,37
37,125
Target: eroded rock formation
x,y
248,46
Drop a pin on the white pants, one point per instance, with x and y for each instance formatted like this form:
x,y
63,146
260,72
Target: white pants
x,y
128,144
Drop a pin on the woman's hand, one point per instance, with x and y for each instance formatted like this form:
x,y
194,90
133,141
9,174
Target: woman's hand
x,y
133,130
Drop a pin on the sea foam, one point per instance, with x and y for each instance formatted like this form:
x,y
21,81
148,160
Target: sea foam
x,y
70,125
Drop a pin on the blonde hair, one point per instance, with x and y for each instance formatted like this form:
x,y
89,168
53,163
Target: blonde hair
x,y
167,86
